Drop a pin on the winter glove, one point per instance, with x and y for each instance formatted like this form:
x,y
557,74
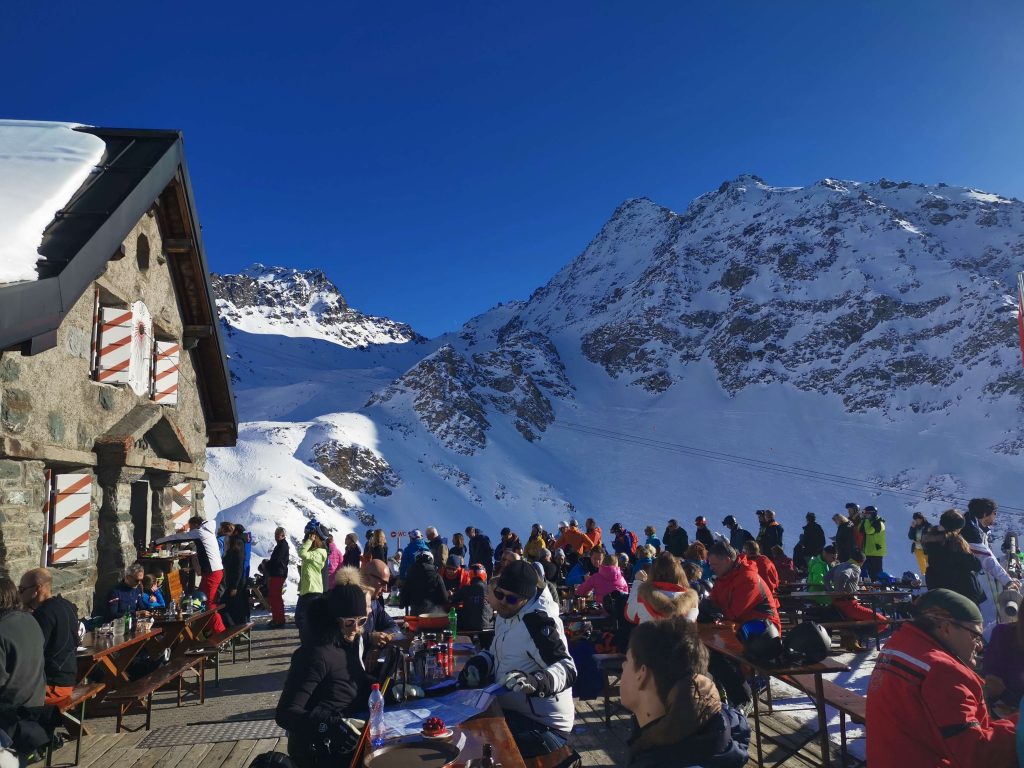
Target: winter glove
x,y
338,737
535,684
474,673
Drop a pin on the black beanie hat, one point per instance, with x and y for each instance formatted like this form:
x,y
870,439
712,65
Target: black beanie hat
x,y
519,578
347,601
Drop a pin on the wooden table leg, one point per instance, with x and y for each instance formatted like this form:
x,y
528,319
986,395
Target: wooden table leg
x,y
819,695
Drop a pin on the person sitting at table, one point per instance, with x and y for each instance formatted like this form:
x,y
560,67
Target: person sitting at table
x,y
326,684
698,553
1003,664
585,567
741,595
152,596
608,579
765,567
22,648
210,565
58,621
925,702
126,596
453,574
474,611
561,567
694,577
423,589
381,627
680,719
530,658
784,566
662,595
644,560
845,577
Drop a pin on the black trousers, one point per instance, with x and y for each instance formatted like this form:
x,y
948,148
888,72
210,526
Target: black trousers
x,y
873,565
728,674
534,739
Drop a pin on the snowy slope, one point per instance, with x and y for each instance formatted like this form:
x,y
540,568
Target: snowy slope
x,y
42,165
796,348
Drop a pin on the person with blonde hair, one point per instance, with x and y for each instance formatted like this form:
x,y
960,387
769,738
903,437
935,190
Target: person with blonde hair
x,y
662,595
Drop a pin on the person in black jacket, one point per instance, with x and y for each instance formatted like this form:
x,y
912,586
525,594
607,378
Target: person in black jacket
x,y
814,536
703,533
236,600
480,550
675,539
475,613
326,684
771,536
680,718
276,571
423,590
58,620
845,542
951,564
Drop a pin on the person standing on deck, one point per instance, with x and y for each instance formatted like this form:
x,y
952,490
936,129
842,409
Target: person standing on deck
x,y
210,564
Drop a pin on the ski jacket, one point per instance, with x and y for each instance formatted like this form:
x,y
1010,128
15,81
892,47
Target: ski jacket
x,y
916,536
816,570
311,567
574,540
738,537
844,577
439,549
533,641
721,742
455,578
533,547
845,543
676,540
277,565
977,538
625,543
766,570
595,535
412,549
704,535
951,566
741,595
874,536
578,573
919,684
787,570
814,539
424,590
771,536
657,600
207,547
480,552
608,579
654,541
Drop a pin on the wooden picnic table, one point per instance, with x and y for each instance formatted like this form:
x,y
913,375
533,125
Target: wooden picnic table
x,y
110,656
882,600
178,632
722,638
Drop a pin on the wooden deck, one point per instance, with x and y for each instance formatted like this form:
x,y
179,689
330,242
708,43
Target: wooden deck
x,y
250,691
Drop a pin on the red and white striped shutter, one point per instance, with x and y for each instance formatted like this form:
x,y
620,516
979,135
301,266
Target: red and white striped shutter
x,y
165,374
115,345
181,504
72,510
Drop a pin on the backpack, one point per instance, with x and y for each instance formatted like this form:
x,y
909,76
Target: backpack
x,y
631,542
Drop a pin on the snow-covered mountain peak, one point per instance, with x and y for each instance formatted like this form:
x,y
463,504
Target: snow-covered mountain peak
x,y
302,303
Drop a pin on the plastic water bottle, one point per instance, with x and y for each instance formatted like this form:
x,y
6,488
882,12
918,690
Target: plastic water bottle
x,y
376,716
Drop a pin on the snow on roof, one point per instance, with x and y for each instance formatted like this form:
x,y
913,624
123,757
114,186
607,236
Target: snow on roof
x,y
42,165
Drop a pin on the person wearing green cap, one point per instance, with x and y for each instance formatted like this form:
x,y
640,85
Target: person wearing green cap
x,y
926,698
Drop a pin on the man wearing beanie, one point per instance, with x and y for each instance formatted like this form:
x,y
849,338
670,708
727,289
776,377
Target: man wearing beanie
x,y
926,704
326,684
530,657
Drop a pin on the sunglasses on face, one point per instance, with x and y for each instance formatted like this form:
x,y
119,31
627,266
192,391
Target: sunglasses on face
x,y
348,624
507,597
978,636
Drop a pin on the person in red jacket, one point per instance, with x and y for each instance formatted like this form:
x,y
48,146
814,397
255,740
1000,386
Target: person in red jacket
x,y
765,568
455,577
739,592
741,595
926,704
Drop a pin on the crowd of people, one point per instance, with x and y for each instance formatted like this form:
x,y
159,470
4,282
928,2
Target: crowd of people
x,y
655,589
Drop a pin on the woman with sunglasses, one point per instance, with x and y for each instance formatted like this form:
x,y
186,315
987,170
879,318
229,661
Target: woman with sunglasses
x,y
925,677
326,684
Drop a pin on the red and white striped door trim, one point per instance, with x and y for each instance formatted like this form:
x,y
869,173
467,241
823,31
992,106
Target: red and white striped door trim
x,y
72,511
115,345
165,373
181,504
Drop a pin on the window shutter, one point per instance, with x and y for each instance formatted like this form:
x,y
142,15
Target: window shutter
x,y
72,512
181,504
165,373
115,345
140,367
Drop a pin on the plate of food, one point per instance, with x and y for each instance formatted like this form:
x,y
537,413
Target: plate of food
x,y
434,728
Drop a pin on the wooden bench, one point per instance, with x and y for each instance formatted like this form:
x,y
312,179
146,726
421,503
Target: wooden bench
x,y
79,696
610,665
846,702
213,645
143,689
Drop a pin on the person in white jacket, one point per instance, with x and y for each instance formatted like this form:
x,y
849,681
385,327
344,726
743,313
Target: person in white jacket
x,y
210,565
529,656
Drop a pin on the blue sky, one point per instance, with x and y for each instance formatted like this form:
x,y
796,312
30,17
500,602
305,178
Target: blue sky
x,y
437,158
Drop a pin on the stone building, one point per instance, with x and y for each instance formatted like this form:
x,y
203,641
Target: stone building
x,y
113,378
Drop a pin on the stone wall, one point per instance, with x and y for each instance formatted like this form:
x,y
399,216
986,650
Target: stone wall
x,y
22,533
52,412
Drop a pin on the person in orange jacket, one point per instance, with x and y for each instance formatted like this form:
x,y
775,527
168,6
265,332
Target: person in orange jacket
x,y
925,702
572,539
765,567
593,531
